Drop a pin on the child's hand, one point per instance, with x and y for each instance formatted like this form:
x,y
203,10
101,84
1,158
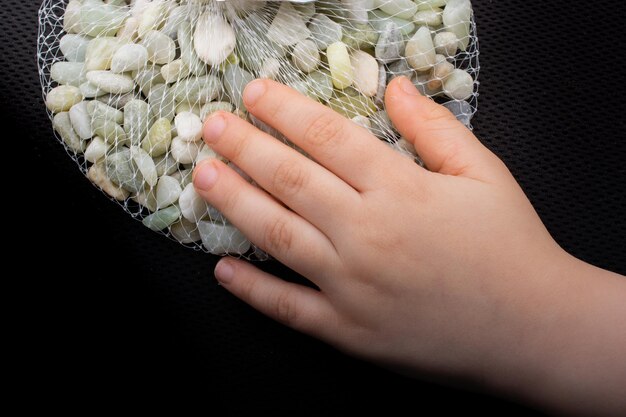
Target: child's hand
x,y
448,272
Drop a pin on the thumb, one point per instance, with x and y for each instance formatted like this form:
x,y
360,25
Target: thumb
x,y
444,144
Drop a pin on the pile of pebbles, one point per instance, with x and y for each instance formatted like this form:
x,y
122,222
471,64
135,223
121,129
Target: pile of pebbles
x,y
132,82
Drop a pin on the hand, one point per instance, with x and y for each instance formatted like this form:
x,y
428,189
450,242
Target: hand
x,y
447,271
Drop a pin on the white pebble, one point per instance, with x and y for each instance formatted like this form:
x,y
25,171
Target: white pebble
x,y
188,126
96,149
167,192
110,82
459,85
130,57
184,152
214,39
192,206
145,164
81,120
365,73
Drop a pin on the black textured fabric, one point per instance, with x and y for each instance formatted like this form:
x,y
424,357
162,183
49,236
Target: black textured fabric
x,y
134,314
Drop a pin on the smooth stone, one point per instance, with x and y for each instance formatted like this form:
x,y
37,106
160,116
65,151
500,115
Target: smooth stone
x,y
461,109
446,44
430,4
400,68
206,153
362,121
381,126
99,19
167,191
71,17
161,102
420,51
165,165
339,64
117,100
122,170
137,120
68,73
214,38
148,78
176,17
110,82
159,138
174,71
356,10
423,83
457,19
187,52
62,98
306,10
270,69
440,71
188,126
365,73
390,44
81,120
324,31
198,90
459,85
161,219
214,106
352,106
221,239
288,28
235,81
96,149
320,85
431,18
192,206
89,90
145,164
129,57
111,132
146,198
379,19
185,176
161,48
98,110
184,152
403,9
74,47
305,56
128,31
100,52
185,231
253,46
153,15
97,175
379,100
185,107
63,126
360,36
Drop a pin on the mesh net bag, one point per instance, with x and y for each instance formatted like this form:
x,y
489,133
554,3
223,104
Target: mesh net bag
x,y
127,85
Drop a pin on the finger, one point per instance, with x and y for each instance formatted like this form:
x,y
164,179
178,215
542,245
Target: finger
x,y
280,232
306,187
444,143
347,150
294,305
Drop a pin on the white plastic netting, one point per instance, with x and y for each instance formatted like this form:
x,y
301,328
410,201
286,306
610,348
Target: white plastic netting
x,y
128,84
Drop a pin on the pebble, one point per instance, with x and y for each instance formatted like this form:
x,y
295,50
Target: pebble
x,y
390,44
159,138
365,73
100,19
187,51
110,82
235,81
161,48
68,73
320,84
96,150
111,132
145,164
306,56
74,47
324,31
456,19
97,175
62,98
185,231
379,100
351,107
152,16
270,68
162,103
148,78
89,90
81,120
403,9
71,18
174,71
339,64
430,18
63,126
379,19
100,52
167,192
192,206
214,38
206,153
146,198
420,51
459,85
165,165
137,120
184,152
288,28
446,44
129,57
161,219
198,90
360,36
188,126
221,239
121,169
214,106
99,110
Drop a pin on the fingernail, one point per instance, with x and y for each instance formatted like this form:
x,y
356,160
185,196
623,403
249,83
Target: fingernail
x,y
224,271
205,176
253,92
213,127
407,86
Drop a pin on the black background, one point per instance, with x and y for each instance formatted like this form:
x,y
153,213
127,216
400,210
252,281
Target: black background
x,y
121,313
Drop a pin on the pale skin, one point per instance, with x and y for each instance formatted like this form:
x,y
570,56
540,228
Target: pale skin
x,y
446,272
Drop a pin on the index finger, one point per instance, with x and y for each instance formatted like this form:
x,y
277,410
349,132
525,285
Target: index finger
x,y
344,148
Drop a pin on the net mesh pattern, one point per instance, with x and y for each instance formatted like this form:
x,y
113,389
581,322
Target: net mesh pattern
x,y
128,85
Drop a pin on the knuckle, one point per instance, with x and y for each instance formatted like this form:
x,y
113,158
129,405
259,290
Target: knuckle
x,y
289,178
323,131
285,309
278,236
